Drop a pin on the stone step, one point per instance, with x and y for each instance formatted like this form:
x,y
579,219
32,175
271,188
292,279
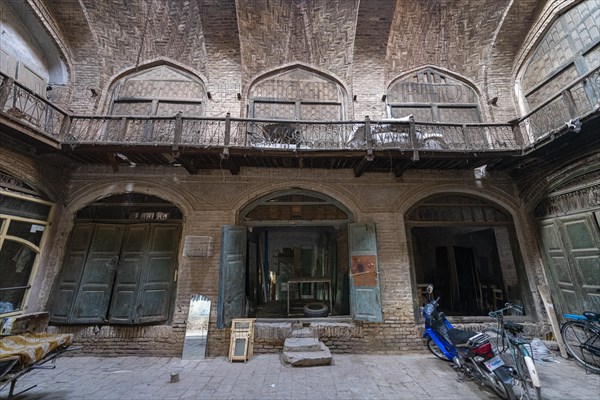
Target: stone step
x,y
308,358
303,333
301,344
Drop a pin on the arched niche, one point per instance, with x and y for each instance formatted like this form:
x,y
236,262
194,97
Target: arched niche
x,y
297,93
466,247
432,95
161,90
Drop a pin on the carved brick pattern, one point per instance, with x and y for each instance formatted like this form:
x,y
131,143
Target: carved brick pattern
x,y
297,84
582,199
320,112
137,108
458,115
173,29
274,110
279,32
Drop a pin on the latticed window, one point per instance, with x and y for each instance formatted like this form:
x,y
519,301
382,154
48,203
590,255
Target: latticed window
x,y
297,94
24,216
568,50
432,96
160,91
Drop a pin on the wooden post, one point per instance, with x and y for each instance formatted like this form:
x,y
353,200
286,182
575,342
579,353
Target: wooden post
x,y
227,137
178,129
368,139
413,138
65,127
567,97
5,91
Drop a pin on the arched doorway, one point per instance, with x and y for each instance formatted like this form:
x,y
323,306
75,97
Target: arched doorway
x,y
294,248
466,248
120,263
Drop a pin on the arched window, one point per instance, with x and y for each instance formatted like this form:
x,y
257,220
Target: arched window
x,y
433,96
159,91
570,48
297,93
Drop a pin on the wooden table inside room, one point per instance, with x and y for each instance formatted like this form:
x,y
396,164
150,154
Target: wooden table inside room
x,y
298,281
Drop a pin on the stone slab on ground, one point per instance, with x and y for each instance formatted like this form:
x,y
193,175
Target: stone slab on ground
x,y
303,344
308,358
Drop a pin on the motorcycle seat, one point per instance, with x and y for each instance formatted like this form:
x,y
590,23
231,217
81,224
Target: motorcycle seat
x,y
592,316
459,337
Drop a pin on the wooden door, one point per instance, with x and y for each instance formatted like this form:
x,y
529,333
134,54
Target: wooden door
x,y
365,295
232,279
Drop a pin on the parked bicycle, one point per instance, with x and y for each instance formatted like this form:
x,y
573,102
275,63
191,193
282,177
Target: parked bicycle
x,y
581,335
508,341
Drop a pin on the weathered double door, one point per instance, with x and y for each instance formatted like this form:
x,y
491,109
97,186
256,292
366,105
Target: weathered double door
x,y
572,247
117,273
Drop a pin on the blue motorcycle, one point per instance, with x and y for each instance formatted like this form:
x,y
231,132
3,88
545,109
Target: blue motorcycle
x,y
471,353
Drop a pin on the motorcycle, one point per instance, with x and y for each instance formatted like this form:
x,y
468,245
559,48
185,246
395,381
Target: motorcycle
x,y
471,353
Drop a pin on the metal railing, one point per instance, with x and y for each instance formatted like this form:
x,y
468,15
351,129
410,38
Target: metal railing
x,y
578,99
21,104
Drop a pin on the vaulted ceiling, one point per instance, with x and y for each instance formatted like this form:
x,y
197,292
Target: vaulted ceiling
x,y
363,43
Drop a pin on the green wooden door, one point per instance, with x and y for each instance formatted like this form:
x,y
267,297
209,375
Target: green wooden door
x,y
232,279
365,296
125,293
159,274
572,249
70,275
95,287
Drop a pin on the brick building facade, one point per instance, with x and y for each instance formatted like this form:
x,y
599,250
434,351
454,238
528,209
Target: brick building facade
x,y
292,124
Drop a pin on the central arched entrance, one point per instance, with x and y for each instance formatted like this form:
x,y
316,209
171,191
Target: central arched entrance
x,y
294,249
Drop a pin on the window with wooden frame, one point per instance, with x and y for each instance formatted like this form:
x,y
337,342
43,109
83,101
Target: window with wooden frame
x,y
569,49
160,91
433,96
297,94
24,217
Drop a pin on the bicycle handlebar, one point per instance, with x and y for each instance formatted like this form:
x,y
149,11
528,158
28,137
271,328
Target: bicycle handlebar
x,y
508,306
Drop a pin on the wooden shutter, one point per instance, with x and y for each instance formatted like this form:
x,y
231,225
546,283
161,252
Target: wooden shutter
x,y
158,275
70,274
365,296
95,288
232,279
126,289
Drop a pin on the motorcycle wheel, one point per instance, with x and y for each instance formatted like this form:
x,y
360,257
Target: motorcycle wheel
x,y
433,347
505,391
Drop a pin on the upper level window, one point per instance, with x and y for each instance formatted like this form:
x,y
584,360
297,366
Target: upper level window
x,y
297,94
20,56
569,49
432,96
23,220
160,91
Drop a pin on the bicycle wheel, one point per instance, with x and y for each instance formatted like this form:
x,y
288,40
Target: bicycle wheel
x,y
499,343
433,347
576,335
527,379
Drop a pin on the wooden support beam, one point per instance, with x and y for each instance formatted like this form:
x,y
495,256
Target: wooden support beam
x,y
187,164
363,166
402,166
114,163
230,163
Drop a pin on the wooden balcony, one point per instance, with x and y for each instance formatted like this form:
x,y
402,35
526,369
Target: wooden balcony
x,y
197,143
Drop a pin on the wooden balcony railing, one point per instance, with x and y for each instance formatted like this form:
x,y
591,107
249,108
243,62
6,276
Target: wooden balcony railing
x,y
20,105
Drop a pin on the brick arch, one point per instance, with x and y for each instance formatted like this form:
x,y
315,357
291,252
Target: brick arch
x,y
497,198
334,206
100,190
